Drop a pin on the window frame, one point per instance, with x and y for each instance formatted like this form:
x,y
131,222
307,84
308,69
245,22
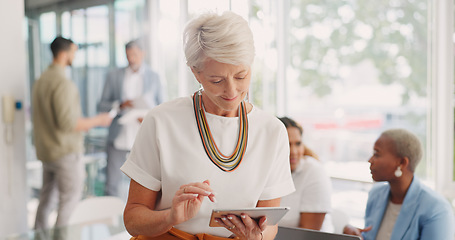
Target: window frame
x,y
440,133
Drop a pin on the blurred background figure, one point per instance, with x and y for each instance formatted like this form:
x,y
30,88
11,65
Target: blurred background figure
x,y
128,93
401,207
311,202
58,126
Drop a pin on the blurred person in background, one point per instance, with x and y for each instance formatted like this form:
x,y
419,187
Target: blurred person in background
x,y
133,87
401,207
57,130
311,202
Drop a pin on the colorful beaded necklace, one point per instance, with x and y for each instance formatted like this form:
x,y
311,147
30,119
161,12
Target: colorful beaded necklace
x,y
225,163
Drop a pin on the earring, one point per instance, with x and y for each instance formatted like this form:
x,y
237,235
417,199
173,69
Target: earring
x,y
247,97
199,92
398,172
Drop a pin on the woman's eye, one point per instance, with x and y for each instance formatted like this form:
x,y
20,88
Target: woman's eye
x,y
216,81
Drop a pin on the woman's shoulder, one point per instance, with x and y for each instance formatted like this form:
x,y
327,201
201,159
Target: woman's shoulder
x,y
178,108
431,205
313,170
181,103
428,195
312,165
313,162
262,118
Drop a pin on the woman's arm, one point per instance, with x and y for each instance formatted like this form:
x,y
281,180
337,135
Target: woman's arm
x,y
141,218
270,231
139,215
438,226
311,220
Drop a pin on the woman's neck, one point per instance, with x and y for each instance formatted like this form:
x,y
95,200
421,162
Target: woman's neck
x,y
210,107
399,188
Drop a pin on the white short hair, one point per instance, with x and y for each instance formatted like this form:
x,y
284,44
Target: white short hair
x,y
407,145
225,38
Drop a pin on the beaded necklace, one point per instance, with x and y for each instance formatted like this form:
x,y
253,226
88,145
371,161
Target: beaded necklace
x,y
225,163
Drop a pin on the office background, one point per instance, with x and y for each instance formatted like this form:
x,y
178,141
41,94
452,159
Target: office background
x,y
346,70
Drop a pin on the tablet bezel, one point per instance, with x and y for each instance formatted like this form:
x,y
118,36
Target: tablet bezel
x,y
273,214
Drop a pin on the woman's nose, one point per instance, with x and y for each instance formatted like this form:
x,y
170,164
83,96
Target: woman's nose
x,y
293,150
230,88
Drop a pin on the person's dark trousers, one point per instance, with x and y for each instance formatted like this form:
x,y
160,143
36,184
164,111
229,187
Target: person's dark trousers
x,y
115,159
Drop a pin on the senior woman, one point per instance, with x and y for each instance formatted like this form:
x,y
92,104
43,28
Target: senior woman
x,y
403,208
209,150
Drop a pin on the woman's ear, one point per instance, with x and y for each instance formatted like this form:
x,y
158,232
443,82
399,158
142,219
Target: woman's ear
x,y
196,74
404,163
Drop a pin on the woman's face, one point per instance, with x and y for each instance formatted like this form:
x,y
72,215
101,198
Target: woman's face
x,y
384,161
295,147
225,86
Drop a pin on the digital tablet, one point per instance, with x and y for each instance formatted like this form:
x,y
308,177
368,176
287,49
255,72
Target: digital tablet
x,y
273,214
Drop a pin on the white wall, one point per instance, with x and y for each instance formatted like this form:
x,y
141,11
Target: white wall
x,y
13,76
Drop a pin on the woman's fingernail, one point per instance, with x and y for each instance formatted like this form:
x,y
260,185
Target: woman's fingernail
x,y
208,193
243,216
223,218
230,218
214,199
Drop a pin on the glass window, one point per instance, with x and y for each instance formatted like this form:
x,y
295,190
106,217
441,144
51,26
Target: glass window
x,y
97,47
357,69
264,77
170,48
97,37
77,31
66,24
130,22
47,33
89,29
196,7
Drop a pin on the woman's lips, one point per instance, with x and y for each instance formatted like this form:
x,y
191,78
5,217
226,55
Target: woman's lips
x,y
229,99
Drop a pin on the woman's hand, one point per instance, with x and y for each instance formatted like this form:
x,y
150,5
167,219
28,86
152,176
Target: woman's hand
x,y
244,227
188,199
351,230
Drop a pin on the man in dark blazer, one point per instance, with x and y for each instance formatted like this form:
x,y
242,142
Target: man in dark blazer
x,y
123,89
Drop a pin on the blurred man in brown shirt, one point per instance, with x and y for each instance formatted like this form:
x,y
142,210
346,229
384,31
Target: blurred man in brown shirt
x,y
58,126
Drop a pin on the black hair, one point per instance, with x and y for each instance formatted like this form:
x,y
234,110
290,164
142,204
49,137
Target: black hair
x,y
60,44
291,123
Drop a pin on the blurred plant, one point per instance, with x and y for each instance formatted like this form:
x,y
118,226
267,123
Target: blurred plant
x,y
327,36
